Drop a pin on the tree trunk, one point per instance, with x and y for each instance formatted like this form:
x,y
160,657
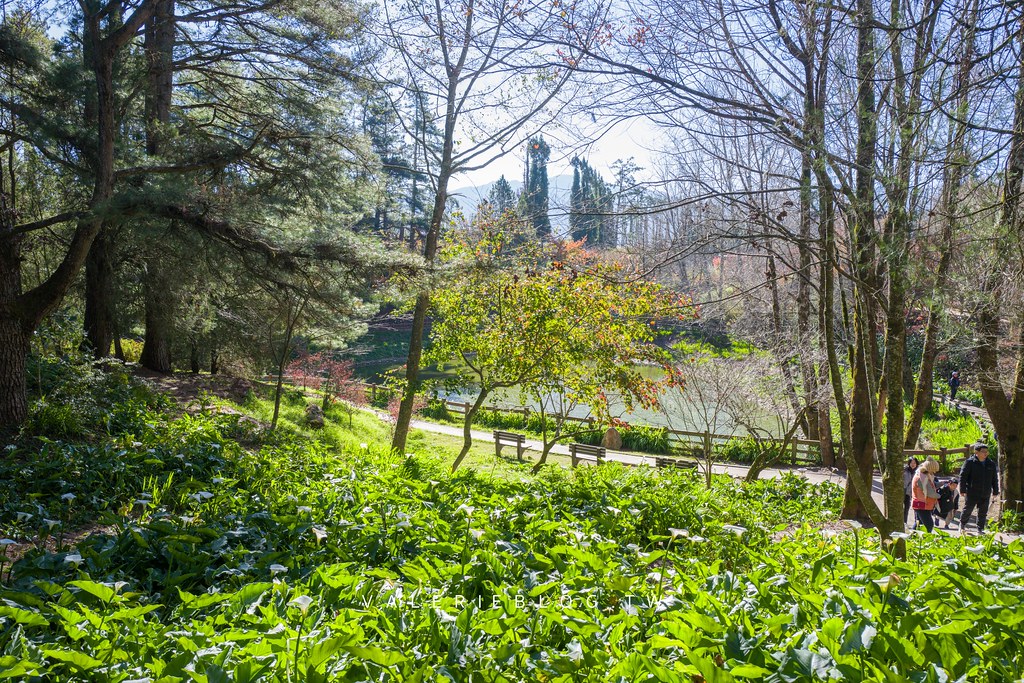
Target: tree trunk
x,y
828,455
156,348
99,294
412,371
14,337
1006,409
278,387
924,391
1011,463
808,369
159,50
864,246
545,450
21,312
784,359
862,438
291,321
214,358
14,346
419,317
194,357
956,159
444,174
467,428
159,47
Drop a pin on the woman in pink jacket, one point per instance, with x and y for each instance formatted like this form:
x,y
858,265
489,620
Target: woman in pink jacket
x,y
925,494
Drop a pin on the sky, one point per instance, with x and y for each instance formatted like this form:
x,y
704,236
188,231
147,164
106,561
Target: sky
x,y
635,138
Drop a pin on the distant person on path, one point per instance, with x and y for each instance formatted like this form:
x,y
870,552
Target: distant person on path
x,y
954,384
908,480
926,496
949,501
979,481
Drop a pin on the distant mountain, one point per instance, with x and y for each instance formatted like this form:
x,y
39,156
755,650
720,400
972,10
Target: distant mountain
x,y
559,190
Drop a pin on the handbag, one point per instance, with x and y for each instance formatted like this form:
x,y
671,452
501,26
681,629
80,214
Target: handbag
x,y
918,504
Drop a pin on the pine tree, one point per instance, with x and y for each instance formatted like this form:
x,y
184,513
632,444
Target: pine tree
x,y
591,206
501,197
535,192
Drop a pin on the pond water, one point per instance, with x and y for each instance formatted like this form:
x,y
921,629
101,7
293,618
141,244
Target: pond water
x,y
678,410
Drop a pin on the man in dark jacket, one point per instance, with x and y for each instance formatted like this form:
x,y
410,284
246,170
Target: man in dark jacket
x,y
954,384
979,480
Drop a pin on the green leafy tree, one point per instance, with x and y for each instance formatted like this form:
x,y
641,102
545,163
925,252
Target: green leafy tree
x,y
551,319
466,64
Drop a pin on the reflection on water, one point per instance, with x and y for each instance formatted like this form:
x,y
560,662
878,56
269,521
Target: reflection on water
x,y
678,412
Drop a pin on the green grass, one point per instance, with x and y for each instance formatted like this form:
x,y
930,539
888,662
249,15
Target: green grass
x,y
736,349
945,427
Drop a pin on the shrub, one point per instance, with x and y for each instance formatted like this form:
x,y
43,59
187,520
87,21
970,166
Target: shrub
x,y
437,409
132,350
970,396
645,439
739,450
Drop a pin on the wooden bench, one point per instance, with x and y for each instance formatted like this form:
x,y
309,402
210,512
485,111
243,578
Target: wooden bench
x,y
581,452
509,439
674,463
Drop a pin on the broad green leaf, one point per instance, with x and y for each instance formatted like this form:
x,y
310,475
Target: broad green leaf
x,y
376,655
23,616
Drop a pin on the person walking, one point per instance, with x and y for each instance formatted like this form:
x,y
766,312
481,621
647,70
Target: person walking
x,y
954,384
908,480
949,502
925,495
979,481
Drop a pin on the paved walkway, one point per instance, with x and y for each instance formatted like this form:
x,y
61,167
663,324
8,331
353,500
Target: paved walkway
x,y
813,474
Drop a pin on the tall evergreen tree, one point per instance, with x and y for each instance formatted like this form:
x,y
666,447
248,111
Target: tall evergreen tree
x,y
535,190
591,206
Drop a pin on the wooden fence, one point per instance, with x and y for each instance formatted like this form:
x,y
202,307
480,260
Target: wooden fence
x,y
942,455
800,451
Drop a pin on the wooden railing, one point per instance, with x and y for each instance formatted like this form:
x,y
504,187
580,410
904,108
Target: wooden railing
x,y
940,454
800,451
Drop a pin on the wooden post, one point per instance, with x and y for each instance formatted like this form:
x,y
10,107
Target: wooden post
x,y
942,460
794,451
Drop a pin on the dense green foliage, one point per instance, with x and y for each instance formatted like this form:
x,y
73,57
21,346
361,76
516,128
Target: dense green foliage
x,y
296,561
944,427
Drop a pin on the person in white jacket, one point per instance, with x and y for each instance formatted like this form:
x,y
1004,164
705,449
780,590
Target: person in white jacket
x,y
908,479
925,494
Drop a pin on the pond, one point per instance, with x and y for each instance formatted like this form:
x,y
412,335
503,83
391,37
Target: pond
x,y
679,409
